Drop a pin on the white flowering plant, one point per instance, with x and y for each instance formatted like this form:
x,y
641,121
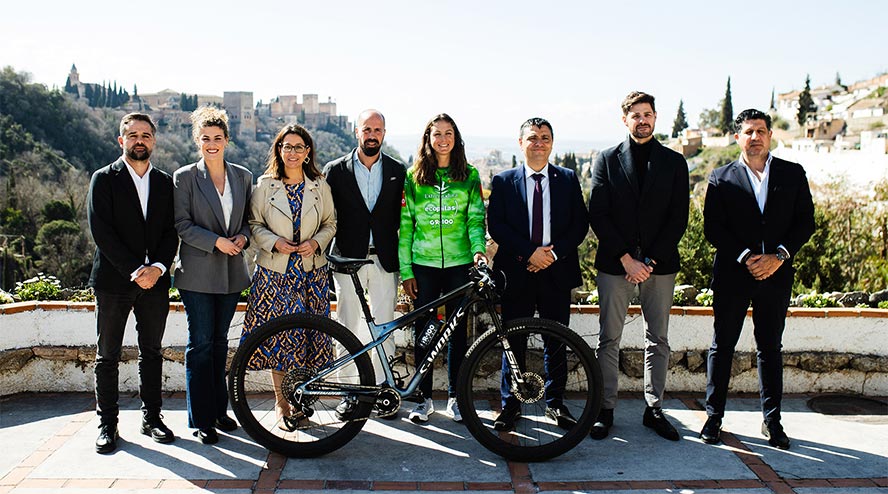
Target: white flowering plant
x,y
40,287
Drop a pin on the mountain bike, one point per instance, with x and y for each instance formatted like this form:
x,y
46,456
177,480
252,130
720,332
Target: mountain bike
x,y
331,402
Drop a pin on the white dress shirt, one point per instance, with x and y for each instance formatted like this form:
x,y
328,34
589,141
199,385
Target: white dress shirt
x,y
759,186
529,186
143,189
227,201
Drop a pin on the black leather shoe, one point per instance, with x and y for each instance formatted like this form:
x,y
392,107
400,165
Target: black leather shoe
x,y
225,424
774,432
107,440
561,415
711,433
656,420
506,419
602,424
207,436
153,426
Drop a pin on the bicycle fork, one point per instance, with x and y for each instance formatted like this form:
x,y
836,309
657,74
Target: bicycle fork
x,y
516,377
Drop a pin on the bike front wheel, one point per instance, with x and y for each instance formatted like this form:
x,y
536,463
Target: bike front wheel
x,y
559,372
266,385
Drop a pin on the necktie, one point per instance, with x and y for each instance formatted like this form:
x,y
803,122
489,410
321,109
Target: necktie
x,y
536,228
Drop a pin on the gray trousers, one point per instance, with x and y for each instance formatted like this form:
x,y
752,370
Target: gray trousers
x,y
614,294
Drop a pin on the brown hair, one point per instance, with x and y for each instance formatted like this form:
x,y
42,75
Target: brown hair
x,y
636,97
275,163
427,161
208,116
133,117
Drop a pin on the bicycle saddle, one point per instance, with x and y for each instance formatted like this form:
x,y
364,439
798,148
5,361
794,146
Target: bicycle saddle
x,y
346,265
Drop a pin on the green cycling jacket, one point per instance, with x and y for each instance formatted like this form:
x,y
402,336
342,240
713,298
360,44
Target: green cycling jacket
x,y
442,225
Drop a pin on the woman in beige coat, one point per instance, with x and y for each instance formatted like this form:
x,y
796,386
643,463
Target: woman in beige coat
x,y
293,222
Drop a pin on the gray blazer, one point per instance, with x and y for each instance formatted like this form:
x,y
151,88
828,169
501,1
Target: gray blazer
x,y
199,221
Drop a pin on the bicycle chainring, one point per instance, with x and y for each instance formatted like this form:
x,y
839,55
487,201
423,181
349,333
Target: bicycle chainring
x,y
388,401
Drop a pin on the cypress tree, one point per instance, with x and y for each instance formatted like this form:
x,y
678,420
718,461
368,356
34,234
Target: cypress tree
x,y
681,120
806,103
773,106
89,94
727,113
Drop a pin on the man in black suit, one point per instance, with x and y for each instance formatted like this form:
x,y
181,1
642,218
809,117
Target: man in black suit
x,y
367,187
758,213
130,213
638,209
537,217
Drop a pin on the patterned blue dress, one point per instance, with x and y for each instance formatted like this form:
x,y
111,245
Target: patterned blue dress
x,y
274,294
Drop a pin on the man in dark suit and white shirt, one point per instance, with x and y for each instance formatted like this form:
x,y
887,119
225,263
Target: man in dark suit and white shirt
x,y
367,188
758,213
638,209
537,217
130,214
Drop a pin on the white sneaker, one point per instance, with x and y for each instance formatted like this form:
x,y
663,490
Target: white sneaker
x,y
422,411
453,409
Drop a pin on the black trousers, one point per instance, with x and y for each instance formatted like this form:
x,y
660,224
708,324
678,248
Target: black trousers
x,y
540,294
770,300
432,283
151,308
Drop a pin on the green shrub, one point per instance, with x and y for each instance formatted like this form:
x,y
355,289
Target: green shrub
x,y
704,298
592,298
83,295
244,294
174,295
816,300
6,298
883,304
40,287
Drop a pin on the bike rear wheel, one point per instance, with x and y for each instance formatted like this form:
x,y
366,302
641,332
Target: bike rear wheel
x,y
310,425
575,381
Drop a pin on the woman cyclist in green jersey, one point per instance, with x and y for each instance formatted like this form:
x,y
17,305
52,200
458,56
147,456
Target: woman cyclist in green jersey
x,y
442,234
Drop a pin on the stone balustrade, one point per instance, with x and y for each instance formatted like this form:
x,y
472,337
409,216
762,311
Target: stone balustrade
x,y
50,346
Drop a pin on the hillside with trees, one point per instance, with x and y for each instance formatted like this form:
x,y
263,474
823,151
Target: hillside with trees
x,y
50,143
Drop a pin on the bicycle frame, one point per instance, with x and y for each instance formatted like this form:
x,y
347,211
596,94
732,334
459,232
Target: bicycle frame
x,y
380,332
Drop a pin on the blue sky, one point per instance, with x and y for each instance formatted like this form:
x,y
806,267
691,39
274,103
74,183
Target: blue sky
x,y
490,64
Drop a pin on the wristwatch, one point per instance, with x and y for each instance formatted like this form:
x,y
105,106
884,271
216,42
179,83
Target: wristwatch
x,y
782,255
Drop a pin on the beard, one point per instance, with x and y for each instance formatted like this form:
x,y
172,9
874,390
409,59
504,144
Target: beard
x,y
138,153
371,147
642,132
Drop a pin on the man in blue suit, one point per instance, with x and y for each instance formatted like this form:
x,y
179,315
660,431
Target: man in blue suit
x,y
537,217
758,214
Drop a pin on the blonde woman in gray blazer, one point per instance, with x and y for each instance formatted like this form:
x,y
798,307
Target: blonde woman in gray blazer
x,y
211,200
293,221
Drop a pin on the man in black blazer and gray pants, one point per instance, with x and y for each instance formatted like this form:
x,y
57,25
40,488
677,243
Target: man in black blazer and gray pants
x,y
367,188
638,209
758,214
130,214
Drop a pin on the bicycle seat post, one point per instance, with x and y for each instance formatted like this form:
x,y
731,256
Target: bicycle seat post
x,y
359,291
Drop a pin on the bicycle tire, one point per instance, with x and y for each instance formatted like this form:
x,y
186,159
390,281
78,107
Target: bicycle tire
x,y
535,436
253,401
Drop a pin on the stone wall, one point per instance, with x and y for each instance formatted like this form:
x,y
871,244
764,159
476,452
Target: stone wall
x,y
49,346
